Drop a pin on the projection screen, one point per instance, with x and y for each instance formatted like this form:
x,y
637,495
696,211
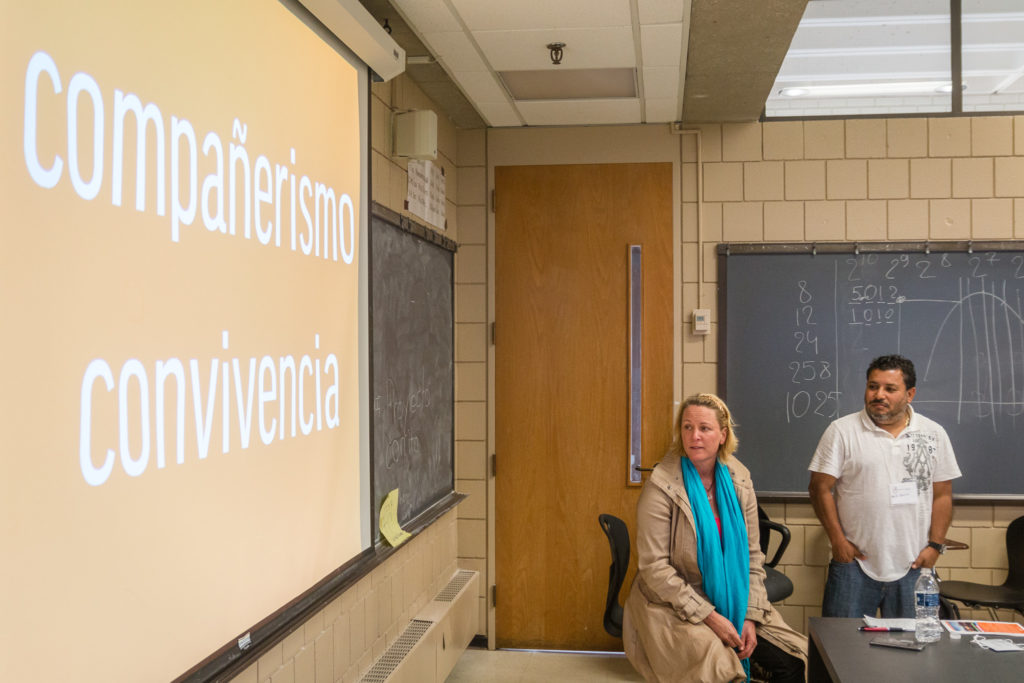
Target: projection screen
x,y
182,289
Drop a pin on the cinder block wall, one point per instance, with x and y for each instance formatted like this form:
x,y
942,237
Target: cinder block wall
x,y
853,180
471,353
341,642
345,638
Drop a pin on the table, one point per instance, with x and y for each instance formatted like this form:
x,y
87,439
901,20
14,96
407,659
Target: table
x,y
839,653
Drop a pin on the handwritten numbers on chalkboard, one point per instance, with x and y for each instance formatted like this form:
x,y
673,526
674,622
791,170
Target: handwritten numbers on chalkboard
x,y
801,328
801,404
857,264
872,315
810,370
982,266
804,311
1018,263
806,342
805,296
815,395
872,293
805,316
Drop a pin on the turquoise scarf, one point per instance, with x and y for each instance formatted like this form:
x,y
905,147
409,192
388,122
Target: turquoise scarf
x,y
724,560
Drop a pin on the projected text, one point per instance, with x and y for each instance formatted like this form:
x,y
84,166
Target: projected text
x,y
327,228
244,386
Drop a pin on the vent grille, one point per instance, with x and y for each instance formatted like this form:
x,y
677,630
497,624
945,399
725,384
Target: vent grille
x,y
458,582
394,655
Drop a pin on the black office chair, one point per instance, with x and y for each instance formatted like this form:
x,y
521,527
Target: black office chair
x,y
618,537
776,584
1010,595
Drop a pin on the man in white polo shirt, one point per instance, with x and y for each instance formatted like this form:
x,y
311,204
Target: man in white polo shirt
x,y
881,484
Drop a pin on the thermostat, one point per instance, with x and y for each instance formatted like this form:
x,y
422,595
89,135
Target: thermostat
x,y
702,321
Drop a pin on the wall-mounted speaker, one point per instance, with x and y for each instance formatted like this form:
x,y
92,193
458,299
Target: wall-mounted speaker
x,y
415,134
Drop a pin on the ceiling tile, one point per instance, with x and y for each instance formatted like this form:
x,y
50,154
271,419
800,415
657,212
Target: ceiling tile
x,y
662,44
659,110
430,72
484,15
499,114
660,11
580,112
456,50
584,49
871,37
1007,32
428,16
481,86
661,82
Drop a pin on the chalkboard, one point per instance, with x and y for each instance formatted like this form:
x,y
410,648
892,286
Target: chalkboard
x,y
801,326
412,372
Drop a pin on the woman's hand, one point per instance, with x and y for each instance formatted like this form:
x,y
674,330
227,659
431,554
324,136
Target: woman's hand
x,y
724,629
748,639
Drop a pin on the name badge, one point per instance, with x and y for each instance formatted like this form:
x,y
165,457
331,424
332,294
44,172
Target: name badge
x,y
903,493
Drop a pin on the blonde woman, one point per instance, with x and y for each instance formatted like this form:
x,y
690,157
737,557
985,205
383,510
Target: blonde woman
x,y
698,610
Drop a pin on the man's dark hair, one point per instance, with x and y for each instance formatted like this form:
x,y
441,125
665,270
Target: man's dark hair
x,y
895,362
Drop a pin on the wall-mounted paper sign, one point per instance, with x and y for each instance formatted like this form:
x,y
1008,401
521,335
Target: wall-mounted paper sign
x,y
426,197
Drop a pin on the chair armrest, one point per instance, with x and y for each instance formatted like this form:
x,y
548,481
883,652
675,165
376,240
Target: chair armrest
x,y
783,544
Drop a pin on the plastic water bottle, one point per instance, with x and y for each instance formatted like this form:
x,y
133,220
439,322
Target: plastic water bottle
x,y
926,607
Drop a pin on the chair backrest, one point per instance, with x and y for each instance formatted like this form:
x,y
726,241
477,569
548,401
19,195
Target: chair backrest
x,y
766,526
1015,554
618,538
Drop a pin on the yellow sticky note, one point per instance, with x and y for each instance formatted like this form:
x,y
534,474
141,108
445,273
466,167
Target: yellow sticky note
x,y
389,527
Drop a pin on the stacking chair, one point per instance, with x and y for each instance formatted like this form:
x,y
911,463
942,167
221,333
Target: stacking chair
x,y
618,538
776,584
1009,595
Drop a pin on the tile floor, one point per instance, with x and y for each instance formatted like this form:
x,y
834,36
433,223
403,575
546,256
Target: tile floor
x,y
479,665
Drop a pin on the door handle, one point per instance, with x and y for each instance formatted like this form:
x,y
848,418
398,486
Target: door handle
x,y
636,376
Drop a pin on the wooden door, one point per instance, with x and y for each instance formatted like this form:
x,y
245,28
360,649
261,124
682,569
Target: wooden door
x,y
562,235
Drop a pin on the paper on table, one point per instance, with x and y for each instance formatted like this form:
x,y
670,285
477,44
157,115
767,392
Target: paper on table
x,y
1000,628
905,624
389,526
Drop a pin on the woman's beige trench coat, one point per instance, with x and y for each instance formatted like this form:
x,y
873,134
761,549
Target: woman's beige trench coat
x,y
663,631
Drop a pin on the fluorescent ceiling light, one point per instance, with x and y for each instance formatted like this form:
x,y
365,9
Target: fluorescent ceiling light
x,y
868,89
570,84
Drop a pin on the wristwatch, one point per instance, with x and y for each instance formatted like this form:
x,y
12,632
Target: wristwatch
x,y
940,547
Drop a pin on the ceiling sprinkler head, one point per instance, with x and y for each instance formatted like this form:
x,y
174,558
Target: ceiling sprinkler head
x,y
556,52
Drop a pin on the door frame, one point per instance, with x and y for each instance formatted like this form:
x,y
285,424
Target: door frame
x,y
582,145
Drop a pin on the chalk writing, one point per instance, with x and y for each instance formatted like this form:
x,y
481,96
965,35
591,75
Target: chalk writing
x,y
395,412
